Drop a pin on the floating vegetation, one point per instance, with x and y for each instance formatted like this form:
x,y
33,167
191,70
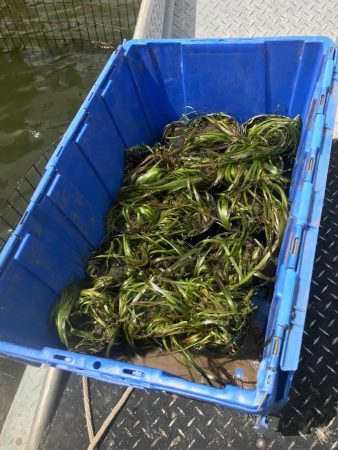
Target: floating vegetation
x,y
199,217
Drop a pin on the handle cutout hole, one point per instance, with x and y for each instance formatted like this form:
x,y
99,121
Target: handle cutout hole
x,y
322,99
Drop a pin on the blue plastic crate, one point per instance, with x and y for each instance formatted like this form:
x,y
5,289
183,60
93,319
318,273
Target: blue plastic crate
x,y
145,85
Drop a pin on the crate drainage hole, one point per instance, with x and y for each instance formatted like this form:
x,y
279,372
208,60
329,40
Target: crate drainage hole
x,y
96,364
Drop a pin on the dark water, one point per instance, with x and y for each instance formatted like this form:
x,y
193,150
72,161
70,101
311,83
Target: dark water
x,y
39,95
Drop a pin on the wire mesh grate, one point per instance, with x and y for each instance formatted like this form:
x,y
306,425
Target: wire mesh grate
x,y
54,23
13,209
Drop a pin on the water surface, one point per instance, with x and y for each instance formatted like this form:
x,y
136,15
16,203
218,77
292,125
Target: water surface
x,y
40,93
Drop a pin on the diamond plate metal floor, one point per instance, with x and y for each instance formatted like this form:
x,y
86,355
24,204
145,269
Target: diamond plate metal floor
x,y
249,18
158,421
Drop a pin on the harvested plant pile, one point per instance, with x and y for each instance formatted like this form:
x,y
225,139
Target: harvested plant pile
x,y
187,241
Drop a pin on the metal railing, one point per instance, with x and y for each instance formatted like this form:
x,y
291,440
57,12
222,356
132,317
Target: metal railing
x,y
54,23
12,209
